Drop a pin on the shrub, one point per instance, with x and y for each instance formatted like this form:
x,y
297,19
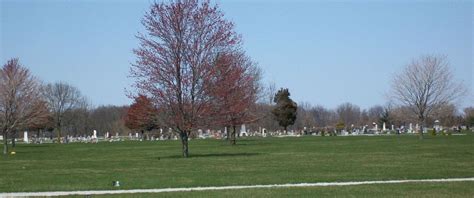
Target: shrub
x,y
433,132
340,126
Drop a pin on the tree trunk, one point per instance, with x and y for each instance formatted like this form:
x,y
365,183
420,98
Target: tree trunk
x,y
227,129
284,131
38,136
233,139
184,142
421,132
13,139
59,133
422,121
5,143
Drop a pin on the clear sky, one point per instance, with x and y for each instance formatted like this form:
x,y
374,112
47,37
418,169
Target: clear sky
x,y
325,52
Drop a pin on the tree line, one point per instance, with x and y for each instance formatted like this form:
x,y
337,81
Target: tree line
x,y
51,110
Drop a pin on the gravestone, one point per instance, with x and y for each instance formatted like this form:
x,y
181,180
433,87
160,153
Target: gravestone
x,y
376,127
437,126
243,131
25,137
344,132
383,127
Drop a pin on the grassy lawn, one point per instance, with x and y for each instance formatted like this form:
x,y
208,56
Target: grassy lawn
x,y
456,189
52,167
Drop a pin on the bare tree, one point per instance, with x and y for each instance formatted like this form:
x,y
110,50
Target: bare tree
x,y
323,116
375,113
21,104
265,117
305,117
78,120
425,85
61,98
349,114
447,115
268,93
402,116
469,117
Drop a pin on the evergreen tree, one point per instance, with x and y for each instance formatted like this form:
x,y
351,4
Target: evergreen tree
x,y
285,109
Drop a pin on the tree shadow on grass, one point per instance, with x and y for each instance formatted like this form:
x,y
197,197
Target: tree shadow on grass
x,y
210,155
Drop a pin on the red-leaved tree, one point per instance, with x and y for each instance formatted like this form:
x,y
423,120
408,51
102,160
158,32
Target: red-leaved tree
x,y
21,104
235,91
175,60
141,115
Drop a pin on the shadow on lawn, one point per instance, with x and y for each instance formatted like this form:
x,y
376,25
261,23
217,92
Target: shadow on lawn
x,y
211,155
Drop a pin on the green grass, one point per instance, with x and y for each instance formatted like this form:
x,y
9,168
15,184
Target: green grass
x,y
456,189
53,167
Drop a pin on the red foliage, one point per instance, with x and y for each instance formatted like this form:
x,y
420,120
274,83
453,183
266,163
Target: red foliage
x,y
235,89
176,62
141,115
21,104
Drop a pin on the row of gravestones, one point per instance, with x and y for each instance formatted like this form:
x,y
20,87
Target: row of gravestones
x,y
243,133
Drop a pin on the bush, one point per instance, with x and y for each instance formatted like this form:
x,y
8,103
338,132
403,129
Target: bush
x,y
340,126
443,133
433,132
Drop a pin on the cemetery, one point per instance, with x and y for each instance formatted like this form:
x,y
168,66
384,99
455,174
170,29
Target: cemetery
x,y
204,98
160,135
254,160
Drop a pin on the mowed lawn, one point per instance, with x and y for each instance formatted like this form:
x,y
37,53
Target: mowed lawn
x,y
157,164
454,189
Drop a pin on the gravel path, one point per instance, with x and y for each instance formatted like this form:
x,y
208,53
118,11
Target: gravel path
x,y
160,190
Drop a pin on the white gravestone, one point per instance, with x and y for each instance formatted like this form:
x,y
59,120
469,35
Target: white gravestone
x,y
243,130
25,137
94,136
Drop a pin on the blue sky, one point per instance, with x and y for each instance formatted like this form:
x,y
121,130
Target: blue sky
x,y
325,52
